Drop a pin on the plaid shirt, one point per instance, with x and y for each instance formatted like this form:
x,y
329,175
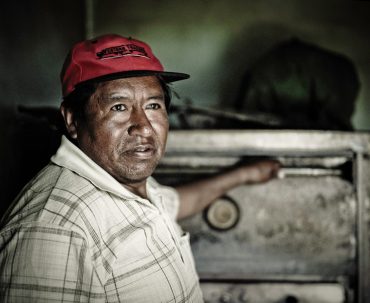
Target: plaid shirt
x,y
75,234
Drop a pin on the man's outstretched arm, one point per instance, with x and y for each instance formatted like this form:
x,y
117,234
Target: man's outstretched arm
x,y
196,196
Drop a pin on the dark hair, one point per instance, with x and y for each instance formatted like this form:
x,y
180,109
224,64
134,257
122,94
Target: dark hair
x,y
167,91
77,100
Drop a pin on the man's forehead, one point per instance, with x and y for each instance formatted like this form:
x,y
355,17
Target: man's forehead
x,y
148,86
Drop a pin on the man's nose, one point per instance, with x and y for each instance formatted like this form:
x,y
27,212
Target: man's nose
x,y
139,124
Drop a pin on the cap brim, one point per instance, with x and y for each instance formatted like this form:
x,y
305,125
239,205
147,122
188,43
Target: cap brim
x,y
166,76
172,76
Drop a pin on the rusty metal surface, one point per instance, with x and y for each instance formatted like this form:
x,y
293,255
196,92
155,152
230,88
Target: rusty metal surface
x,y
362,174
290,227
365,184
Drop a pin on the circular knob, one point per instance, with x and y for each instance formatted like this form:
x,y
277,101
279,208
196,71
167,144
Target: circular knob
x,y
223,214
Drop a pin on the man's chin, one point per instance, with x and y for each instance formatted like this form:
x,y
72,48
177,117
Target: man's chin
x,y
136,172
135,177
134,180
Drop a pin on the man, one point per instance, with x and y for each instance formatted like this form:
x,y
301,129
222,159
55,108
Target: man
x,y
93,226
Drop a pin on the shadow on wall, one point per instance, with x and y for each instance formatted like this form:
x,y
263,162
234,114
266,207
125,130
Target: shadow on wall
x,y
7,151
300,84
244,48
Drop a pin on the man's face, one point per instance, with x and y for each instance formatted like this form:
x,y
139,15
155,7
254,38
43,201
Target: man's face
x,y
126,126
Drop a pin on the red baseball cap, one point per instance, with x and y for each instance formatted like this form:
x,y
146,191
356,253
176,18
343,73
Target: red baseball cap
x,y
111,57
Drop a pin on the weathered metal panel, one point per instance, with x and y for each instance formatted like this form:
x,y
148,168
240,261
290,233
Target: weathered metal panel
x,y
295,226
306,229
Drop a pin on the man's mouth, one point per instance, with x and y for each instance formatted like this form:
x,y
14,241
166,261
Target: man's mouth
x,y
141,151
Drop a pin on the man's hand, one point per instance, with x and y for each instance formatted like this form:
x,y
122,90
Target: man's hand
x,y
259,172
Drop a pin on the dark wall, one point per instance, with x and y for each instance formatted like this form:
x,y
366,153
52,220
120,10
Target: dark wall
x,y
35,37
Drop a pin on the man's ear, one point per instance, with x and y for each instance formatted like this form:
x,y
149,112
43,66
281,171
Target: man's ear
x,y
69,121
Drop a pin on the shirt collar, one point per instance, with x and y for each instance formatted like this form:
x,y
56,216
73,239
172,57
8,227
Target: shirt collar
x,y
70,156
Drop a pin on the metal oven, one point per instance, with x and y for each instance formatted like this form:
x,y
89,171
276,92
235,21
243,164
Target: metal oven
x,y
302,237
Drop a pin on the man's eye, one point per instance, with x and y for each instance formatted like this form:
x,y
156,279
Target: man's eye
x,y
118,108
153,106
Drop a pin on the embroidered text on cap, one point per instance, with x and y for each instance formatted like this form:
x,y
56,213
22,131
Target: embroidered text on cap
x,y
122,50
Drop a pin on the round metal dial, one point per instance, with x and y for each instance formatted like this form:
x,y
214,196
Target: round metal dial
x,y
223,214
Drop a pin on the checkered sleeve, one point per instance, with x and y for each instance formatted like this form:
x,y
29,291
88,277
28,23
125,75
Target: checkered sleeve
x,y
171,199
47,264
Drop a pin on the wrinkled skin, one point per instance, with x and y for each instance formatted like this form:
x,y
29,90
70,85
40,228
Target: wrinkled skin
x,y
125,129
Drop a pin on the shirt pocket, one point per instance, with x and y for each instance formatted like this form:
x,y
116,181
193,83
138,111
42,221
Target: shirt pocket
x,y
187,253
